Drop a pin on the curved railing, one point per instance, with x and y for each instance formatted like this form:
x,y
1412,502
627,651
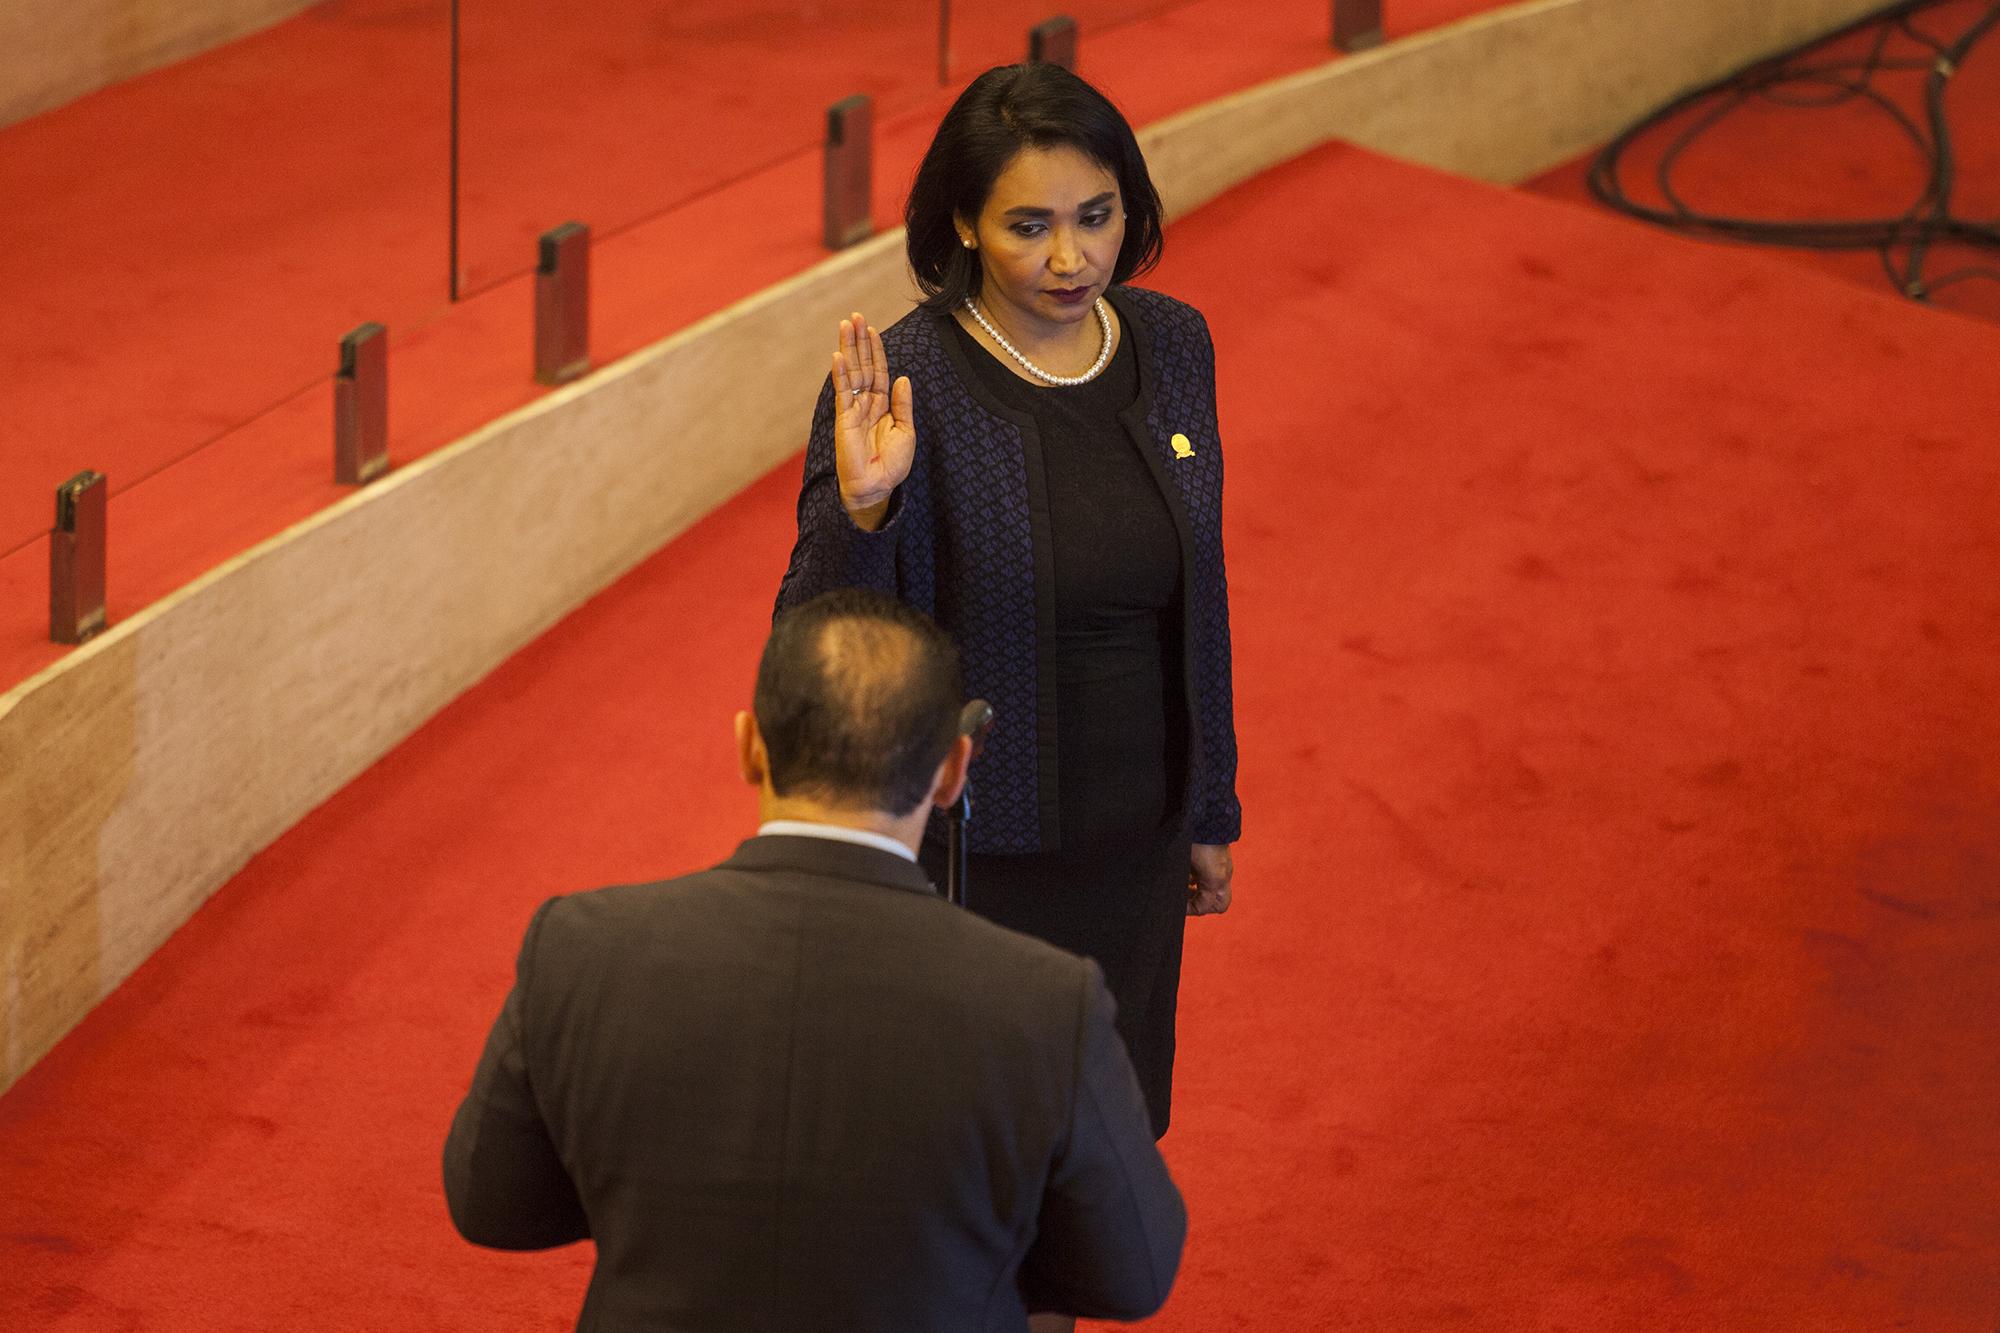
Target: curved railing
x,y
139,771
186,249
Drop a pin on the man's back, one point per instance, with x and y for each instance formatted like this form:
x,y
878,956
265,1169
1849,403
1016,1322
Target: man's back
x,y
799,1091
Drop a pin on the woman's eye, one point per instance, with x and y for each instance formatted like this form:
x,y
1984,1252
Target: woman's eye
x,y
1028,229
1096,219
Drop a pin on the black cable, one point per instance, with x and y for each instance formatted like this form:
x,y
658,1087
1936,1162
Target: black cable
x,y
1962,275
1793,79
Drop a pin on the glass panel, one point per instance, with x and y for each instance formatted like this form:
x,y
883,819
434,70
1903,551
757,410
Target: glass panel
x,y
610,114
185,250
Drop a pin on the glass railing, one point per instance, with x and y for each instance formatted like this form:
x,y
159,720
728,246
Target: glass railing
x,y
610,118
184,251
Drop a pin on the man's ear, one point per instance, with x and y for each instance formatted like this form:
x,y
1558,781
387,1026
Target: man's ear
x,y
950,779
750,755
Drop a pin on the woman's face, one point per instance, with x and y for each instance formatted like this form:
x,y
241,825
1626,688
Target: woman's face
x,y
1048,240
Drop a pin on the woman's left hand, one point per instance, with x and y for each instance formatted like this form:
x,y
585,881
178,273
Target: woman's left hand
x,y
1209,871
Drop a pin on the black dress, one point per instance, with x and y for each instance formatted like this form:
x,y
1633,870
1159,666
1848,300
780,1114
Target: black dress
x,y
1116,890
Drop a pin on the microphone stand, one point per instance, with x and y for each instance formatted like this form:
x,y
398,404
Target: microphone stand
x,y
976,721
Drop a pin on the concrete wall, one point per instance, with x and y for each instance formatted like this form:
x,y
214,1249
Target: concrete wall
x,y
54,51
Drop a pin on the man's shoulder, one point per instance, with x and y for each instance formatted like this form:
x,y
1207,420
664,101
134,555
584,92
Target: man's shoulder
x,y
610,909
1006,943
618,907
688,906
631,896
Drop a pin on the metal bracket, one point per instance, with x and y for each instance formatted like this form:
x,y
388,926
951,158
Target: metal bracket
x,y
1357,24
76,559
849,173
361,407
1053,42
562,304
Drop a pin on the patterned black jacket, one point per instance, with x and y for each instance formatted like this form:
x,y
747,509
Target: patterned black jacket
x,y
967,542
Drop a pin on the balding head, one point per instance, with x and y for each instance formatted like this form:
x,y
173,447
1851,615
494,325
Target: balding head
x,y
857,701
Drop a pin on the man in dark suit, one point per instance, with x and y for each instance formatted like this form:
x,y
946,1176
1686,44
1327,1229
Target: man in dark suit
x,y
800,1091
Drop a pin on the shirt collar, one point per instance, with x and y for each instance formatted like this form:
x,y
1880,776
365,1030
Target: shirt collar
x,y
800,828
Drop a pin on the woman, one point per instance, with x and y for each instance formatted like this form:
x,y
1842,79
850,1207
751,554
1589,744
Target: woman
x,y
1043,476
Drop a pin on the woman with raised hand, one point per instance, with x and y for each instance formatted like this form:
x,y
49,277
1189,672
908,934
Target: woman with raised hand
x,y
1031,457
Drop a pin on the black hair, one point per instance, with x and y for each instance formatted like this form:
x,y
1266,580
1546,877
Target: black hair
x,y
857,699
1004,110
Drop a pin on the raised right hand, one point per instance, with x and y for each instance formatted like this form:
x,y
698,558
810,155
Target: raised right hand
x,y
874,425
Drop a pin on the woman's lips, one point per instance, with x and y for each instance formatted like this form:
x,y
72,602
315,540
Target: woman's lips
x,y
1071,295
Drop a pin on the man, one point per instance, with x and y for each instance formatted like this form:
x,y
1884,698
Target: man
x,y
800,1091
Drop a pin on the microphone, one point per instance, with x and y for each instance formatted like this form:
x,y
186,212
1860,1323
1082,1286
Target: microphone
x,y
976,720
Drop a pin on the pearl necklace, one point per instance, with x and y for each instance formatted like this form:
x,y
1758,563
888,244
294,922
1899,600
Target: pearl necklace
x,y
1103,356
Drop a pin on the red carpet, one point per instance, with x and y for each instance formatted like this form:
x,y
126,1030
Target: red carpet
x,y
186,283
1617,941
1786,163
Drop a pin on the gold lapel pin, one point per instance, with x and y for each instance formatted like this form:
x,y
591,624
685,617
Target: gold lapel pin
x,y
1183,447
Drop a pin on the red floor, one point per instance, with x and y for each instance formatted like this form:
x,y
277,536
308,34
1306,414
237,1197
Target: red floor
x,y
177,285
1616,942
1848,161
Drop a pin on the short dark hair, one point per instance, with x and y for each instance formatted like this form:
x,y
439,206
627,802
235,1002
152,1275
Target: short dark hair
x,y
1004,110
857,699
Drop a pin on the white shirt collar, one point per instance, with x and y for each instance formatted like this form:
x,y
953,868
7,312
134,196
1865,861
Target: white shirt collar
x,y
799,828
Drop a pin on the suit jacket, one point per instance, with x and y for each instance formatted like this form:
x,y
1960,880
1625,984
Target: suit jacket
x,y
800,1091
967,542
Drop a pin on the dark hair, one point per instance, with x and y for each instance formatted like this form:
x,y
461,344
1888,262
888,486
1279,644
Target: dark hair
x,y
1004,110
858,699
